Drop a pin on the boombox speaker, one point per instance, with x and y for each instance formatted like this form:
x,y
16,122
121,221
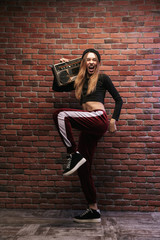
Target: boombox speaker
x,y
66,72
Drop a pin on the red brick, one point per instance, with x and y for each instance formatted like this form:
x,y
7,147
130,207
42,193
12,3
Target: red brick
x,y
33,153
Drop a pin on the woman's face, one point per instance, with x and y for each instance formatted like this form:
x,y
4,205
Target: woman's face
x,y
91,63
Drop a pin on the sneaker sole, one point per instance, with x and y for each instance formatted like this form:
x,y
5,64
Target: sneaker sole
x,y
96,220
80,163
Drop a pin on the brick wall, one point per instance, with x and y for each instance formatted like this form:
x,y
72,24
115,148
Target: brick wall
x,y
34,34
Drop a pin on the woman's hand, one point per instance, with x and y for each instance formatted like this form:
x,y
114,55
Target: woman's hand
x,y
64,60
112,126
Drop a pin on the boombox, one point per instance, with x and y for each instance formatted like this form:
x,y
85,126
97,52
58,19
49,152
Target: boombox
x,y
66,72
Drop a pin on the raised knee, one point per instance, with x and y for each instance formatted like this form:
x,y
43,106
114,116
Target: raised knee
x,y
55,114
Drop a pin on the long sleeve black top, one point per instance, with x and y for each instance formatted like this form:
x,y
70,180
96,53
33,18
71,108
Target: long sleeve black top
x,y
104,84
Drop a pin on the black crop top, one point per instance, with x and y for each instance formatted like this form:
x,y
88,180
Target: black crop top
x,y
104,84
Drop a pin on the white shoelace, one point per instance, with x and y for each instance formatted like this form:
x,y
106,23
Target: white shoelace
x,y
87,211
69,161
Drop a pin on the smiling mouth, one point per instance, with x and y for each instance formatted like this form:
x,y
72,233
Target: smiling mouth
x,y
91,69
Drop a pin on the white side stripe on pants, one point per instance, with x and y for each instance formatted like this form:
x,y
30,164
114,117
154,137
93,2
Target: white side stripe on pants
x,y
73,114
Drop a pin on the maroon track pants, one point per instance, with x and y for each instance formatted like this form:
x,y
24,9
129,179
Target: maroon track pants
x,y
92,126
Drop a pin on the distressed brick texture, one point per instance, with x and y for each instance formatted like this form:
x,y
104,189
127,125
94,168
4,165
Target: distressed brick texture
x,y
33,35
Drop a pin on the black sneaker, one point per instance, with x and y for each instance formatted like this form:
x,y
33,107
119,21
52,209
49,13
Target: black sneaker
x,y
90,215
75,160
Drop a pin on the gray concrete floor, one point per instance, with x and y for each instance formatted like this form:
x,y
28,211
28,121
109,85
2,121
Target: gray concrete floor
x,y
58,225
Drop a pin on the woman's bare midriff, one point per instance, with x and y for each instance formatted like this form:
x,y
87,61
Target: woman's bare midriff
x,y
91,106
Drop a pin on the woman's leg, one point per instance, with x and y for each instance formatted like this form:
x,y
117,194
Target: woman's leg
x,y
87,146
92,123
95,123
65,129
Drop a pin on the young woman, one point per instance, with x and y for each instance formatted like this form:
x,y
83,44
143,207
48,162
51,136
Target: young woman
x,y
90,88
